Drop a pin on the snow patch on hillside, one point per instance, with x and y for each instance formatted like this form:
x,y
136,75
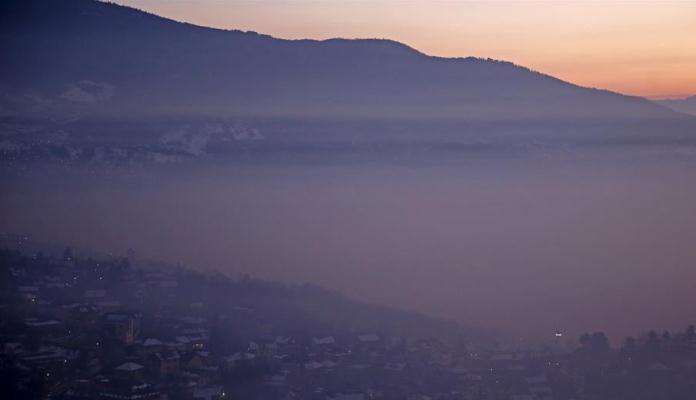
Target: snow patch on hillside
x,y
88,92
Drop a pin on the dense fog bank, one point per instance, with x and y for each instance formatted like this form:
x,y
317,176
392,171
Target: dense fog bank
x,y
525,244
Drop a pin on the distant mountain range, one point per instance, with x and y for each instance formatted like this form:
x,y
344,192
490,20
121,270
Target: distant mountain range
x,y
687,105
78,60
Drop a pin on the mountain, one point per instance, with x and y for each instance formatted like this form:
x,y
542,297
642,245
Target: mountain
x,y
686,105
78,61
162,65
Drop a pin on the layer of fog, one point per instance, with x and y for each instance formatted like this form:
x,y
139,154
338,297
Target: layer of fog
x,y
526,245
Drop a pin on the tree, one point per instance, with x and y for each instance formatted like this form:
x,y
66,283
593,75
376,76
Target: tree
x,y
599,342
652,346
67,254
629,346
666,337
130,254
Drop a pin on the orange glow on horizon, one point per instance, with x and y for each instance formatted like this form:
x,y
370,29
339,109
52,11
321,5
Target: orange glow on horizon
x,y
645,48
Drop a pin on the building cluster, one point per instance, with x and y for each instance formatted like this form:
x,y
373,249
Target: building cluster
x,y
104,330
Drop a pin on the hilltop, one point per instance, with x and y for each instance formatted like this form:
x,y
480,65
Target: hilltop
x,y
90,80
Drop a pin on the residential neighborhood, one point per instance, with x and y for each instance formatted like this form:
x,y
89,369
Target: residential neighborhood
x,y
81,328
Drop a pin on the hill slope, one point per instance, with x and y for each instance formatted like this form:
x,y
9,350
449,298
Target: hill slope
x,y
687,105
145,58
81,60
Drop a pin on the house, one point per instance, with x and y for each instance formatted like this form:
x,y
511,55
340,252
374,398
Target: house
x,y
368,338
288,347
47,356
119,390
129,371
28,289
659,368
109,305
369,342
151,346
323,341
43,326
198,342
277,380
521,397
165,363
168,284
208,393
348,396
12,348
195,360
195,342
240,360
123,326
94,294
328,364
541,392
395,366
83,314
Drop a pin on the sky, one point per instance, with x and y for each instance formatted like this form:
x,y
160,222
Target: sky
x,y
645,48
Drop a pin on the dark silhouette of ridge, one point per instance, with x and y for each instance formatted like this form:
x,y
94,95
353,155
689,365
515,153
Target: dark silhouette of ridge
x,y
159,66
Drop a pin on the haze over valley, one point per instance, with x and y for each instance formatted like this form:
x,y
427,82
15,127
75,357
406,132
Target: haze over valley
x,y
471,189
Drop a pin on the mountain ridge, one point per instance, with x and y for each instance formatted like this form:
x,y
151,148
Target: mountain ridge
x,y
686,105
86,40
86,78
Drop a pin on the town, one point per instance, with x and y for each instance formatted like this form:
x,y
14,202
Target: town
x,y
74,327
